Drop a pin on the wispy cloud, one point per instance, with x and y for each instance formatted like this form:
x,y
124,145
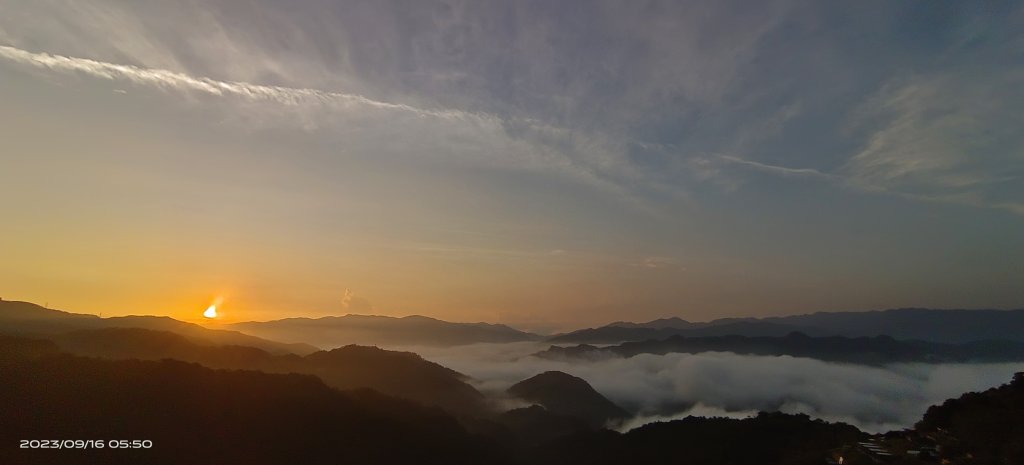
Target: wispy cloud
x,y
711,168
944,138
350,302
522,143
182,82
779,170
916,155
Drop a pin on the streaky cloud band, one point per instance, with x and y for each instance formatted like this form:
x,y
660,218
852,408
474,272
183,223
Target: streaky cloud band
x,y
183,82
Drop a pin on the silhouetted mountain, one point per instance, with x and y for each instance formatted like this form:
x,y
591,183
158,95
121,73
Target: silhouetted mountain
x,y
864,350
564,394
148,344
661,323
18,347
334,331
747,328
193,414
982,428
401,374
769,438
949,326
985,428
28,318
615,333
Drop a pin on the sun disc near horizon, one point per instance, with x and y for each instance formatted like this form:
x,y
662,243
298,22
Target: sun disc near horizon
x,y
211,312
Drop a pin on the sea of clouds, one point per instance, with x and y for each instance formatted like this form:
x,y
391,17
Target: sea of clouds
x,y
663,387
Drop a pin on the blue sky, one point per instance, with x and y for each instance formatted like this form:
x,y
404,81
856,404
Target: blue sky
x,y
546,164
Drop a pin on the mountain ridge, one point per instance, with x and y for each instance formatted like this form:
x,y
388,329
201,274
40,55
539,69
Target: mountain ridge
x,y
413,330
29,318
911,323
400,374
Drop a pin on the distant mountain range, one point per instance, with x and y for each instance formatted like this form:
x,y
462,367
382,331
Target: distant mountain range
x,y
334,331
877,350
28,318
945,326
304,335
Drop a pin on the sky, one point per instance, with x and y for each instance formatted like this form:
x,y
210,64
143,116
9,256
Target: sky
x,y
547,165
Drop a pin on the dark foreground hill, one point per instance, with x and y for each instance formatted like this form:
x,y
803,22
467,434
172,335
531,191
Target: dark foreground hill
x,y
978,428
876,350
192,414
945,326
334,331
401,374
987,427
563,394
769,438
28,318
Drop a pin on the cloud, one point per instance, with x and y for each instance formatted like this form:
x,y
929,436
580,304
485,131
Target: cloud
x,y
354,304
944,137
674,385
538,94
535,93
730,172
774,169
854,176
182,82
397,129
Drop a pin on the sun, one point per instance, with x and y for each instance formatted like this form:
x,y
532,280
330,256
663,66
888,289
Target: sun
x,y
211,312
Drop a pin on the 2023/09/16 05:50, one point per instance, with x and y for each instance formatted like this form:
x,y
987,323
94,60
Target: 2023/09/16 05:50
x,y
86,444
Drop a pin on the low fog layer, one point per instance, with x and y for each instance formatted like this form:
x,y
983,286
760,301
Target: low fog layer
x,y
660,387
